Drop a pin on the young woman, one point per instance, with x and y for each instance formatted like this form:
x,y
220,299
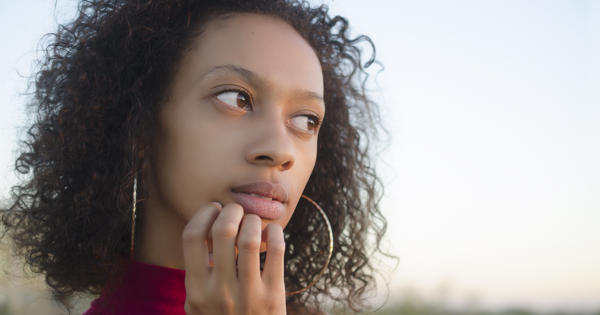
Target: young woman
x,y
173,142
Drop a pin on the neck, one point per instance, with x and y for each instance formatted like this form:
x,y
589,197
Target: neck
x,y
158,241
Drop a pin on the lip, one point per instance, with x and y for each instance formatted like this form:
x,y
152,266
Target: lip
x,y
264,208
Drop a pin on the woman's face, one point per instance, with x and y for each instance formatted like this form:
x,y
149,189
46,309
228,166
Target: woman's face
x,y
242,109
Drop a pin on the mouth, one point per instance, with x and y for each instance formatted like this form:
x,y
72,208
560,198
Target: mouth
x,y
260,196
265,199
264,207
264,189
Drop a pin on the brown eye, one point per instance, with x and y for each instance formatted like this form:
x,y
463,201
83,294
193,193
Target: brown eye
x,y
235,98
307,123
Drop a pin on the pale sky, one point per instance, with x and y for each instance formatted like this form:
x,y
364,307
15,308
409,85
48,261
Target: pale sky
x,y
492,176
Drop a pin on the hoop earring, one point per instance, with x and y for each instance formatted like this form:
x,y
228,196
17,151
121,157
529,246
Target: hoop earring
x,y
290,293
133,216
330,249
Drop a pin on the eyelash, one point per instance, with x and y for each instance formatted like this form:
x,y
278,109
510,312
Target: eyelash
x,y
316,119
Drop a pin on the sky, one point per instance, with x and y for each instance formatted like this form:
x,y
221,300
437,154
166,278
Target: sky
x,y
492,180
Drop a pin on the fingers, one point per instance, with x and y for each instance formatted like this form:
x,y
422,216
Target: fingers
x,y
248,243
195,256
273,268
218,290
224,233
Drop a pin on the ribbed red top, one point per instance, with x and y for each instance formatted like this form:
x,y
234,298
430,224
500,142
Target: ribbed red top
x,y
145,289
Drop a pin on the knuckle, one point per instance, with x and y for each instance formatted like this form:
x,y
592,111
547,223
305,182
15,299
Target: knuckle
x,y
226,303
225,230
249,243
277,248
252,219
267,303
192,234
223,300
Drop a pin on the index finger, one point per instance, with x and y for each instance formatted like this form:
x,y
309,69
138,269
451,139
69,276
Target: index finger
x,y
195,233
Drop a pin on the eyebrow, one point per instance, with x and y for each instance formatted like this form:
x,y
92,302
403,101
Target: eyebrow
x,y
257,79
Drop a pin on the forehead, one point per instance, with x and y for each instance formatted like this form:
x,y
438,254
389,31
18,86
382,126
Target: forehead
x,y
265,45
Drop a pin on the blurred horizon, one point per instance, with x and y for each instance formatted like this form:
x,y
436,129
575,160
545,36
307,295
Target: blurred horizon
x,y
492,176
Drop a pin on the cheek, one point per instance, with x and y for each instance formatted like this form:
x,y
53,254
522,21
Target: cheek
x,y
300,178
192,167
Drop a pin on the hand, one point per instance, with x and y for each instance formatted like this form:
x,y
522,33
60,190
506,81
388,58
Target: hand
x,y
230,288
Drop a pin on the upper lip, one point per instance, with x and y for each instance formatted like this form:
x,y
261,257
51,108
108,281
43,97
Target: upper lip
x,y
265,189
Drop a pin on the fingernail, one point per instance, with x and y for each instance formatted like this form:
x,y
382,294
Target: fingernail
x,y
217,204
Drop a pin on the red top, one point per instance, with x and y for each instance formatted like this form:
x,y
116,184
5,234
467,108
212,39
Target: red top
x,y
146,289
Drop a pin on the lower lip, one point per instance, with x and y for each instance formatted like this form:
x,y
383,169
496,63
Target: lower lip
x,y
266,209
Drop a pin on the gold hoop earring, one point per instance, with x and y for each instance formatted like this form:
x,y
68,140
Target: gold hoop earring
x,y
329,253
315,279
133,215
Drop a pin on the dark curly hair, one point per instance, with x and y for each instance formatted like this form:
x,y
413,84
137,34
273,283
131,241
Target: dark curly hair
x,y
97,92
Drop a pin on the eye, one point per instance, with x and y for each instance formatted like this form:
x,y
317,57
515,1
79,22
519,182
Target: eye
x,y
235,98
308,123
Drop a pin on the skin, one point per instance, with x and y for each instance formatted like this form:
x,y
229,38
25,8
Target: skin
x,y
211,140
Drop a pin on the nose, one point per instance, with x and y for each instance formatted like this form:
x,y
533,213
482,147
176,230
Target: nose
x,y
272,144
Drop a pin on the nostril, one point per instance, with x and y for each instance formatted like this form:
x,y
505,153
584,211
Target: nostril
x,y
276,159
287,165
264,157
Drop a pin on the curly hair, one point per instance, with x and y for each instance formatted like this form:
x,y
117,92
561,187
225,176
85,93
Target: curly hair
x,y
96,97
